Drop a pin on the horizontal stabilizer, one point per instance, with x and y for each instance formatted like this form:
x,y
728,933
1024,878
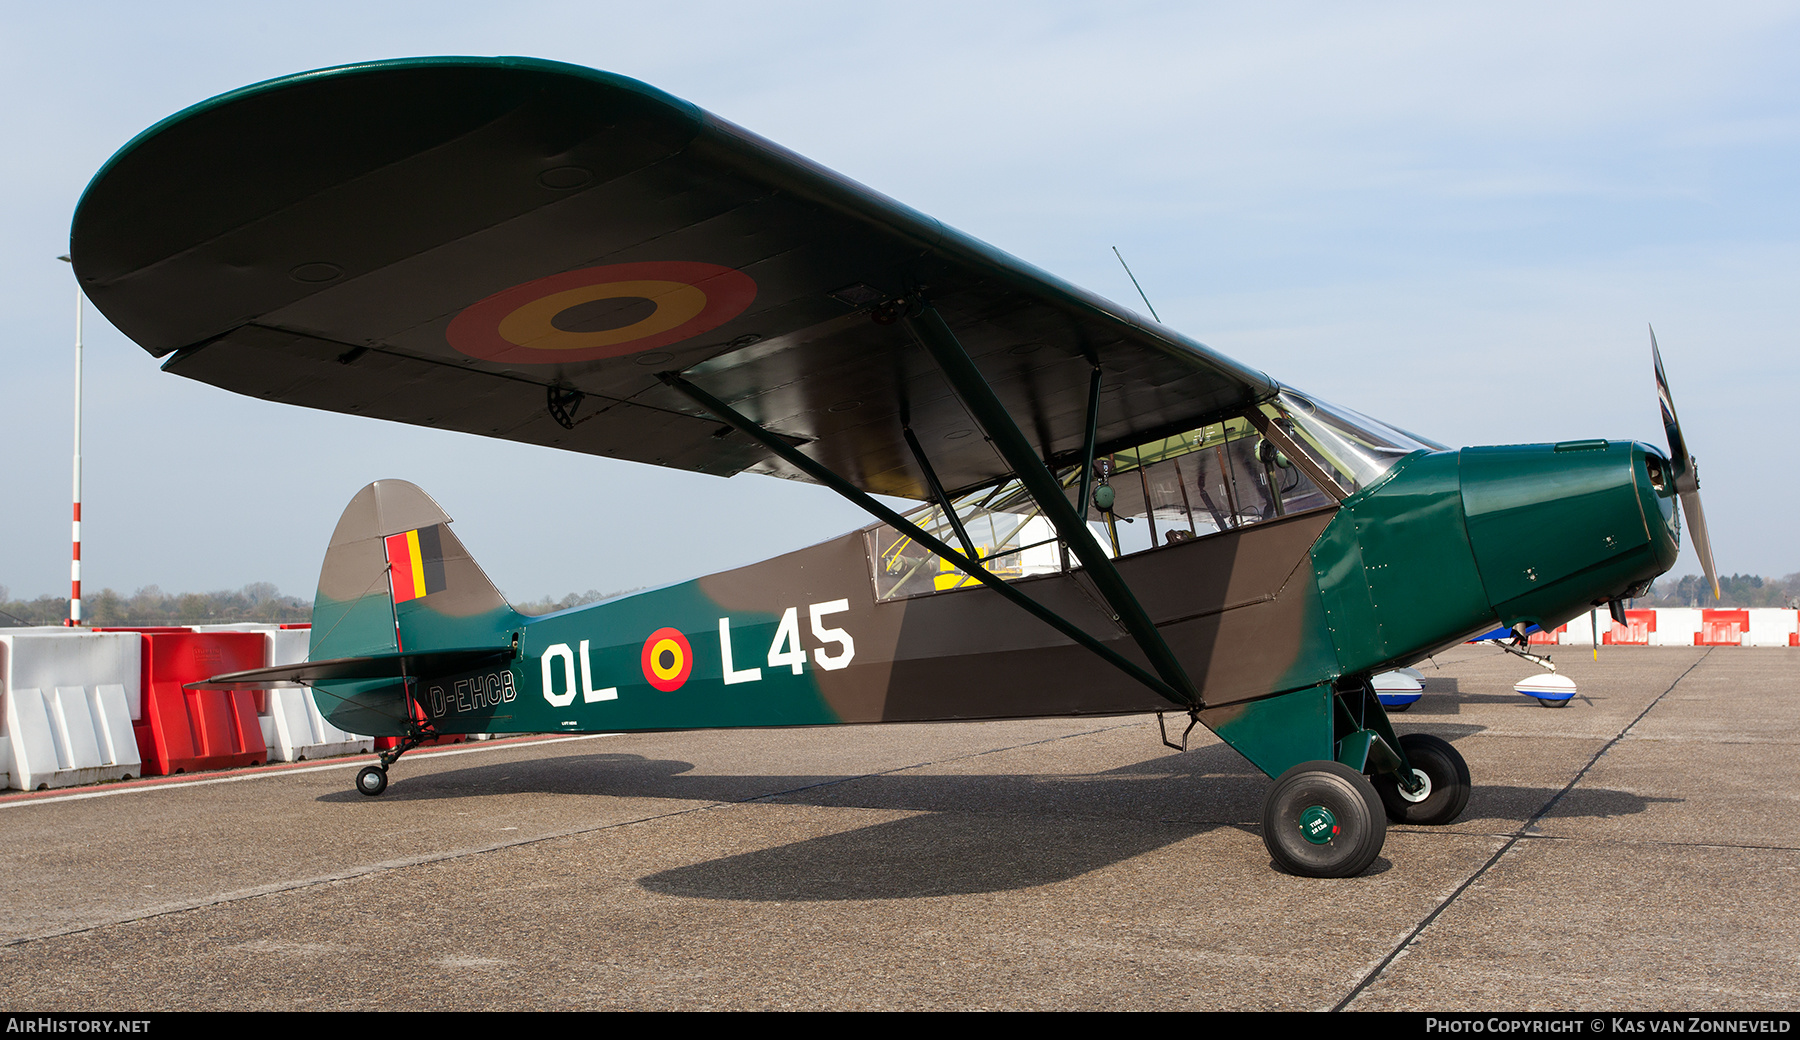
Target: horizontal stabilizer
x,y
376,666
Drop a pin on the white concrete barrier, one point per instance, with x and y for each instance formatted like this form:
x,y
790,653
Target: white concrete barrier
x,y
294,730
292,726
1771,627
70,697
1675,626
1580,631
71,735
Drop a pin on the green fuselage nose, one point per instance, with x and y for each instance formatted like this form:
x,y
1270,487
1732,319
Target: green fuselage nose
x,y
1453,543
1557,527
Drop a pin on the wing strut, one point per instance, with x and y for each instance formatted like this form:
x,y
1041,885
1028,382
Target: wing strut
x,y
943,500
935,336
972,567
1093,434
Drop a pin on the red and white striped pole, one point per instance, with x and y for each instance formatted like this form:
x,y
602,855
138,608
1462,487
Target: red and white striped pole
x,y
75,524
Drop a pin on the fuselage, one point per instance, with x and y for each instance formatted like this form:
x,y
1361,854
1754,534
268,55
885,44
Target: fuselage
x,y
1444,545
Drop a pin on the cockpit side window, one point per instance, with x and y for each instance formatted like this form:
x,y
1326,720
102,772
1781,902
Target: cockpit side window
x,y
1199,483
1212,479
1215,478
1012,537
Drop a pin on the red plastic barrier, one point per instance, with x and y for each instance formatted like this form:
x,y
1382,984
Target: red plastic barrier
x,y
1634,632
185,730
1543,638
1722,628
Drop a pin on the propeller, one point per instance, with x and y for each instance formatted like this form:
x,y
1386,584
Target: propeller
x,y
1686,473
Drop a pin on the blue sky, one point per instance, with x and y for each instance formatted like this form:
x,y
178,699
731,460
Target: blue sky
x,y
1458,218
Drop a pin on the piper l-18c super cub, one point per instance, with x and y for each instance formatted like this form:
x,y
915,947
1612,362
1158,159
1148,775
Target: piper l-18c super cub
x,y
1115,518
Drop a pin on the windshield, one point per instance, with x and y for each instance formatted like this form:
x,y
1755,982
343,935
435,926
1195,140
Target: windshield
x,y
1358,448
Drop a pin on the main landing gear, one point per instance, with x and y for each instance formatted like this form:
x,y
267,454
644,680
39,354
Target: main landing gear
x,y
372,780
1324,819
1443,783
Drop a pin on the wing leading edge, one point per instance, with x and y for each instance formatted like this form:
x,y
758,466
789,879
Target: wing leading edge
x,y
520,248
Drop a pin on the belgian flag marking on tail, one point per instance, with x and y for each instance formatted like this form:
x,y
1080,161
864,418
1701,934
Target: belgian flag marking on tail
x,y
416,563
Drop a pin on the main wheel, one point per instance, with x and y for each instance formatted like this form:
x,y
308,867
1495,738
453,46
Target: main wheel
x,y
1323,819
1446,778
1548,703
372,780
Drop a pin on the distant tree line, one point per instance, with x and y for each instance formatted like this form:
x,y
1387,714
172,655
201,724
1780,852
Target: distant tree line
x,y
548,605
259,601
1738,590
262,602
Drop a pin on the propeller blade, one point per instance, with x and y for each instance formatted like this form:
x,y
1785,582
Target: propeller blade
x,y
1696,517
1679,460
1686,472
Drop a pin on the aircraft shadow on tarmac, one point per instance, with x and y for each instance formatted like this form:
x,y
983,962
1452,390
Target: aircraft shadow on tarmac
x,y
972,833
934,854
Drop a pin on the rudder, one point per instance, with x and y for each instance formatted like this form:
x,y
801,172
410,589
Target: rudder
x,y
396,578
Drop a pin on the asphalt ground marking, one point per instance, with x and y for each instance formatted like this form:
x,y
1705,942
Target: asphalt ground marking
x,y
1519,834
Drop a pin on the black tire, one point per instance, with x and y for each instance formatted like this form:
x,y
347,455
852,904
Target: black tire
x,y
1399,707
1548,703
1445,772
371,780
1315,795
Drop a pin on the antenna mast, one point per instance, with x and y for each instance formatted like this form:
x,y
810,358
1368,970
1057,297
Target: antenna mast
x,y
1135,285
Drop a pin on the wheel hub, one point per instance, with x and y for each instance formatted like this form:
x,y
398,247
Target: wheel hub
x,y
1318,825
1424,790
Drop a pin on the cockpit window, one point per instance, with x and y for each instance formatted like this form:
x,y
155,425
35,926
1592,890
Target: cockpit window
x,y
1011,534
1216,478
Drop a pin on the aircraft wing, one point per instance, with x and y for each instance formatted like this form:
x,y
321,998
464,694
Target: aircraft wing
x,y
517,248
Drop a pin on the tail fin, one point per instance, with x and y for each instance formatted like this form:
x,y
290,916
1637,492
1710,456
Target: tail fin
x,y
395,578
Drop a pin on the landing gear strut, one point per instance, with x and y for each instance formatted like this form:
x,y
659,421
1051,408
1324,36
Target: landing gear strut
x,y
372,780
1443,790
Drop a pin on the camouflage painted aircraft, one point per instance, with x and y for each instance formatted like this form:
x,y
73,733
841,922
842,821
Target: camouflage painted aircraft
x,y
1115,519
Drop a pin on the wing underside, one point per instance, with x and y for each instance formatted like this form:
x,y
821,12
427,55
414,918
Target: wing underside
x,y
520,249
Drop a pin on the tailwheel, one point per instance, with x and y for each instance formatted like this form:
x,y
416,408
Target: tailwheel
x,y
1443,783
372,780
1323,819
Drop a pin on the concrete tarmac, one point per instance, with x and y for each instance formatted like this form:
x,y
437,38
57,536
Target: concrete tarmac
x,y
1636,850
